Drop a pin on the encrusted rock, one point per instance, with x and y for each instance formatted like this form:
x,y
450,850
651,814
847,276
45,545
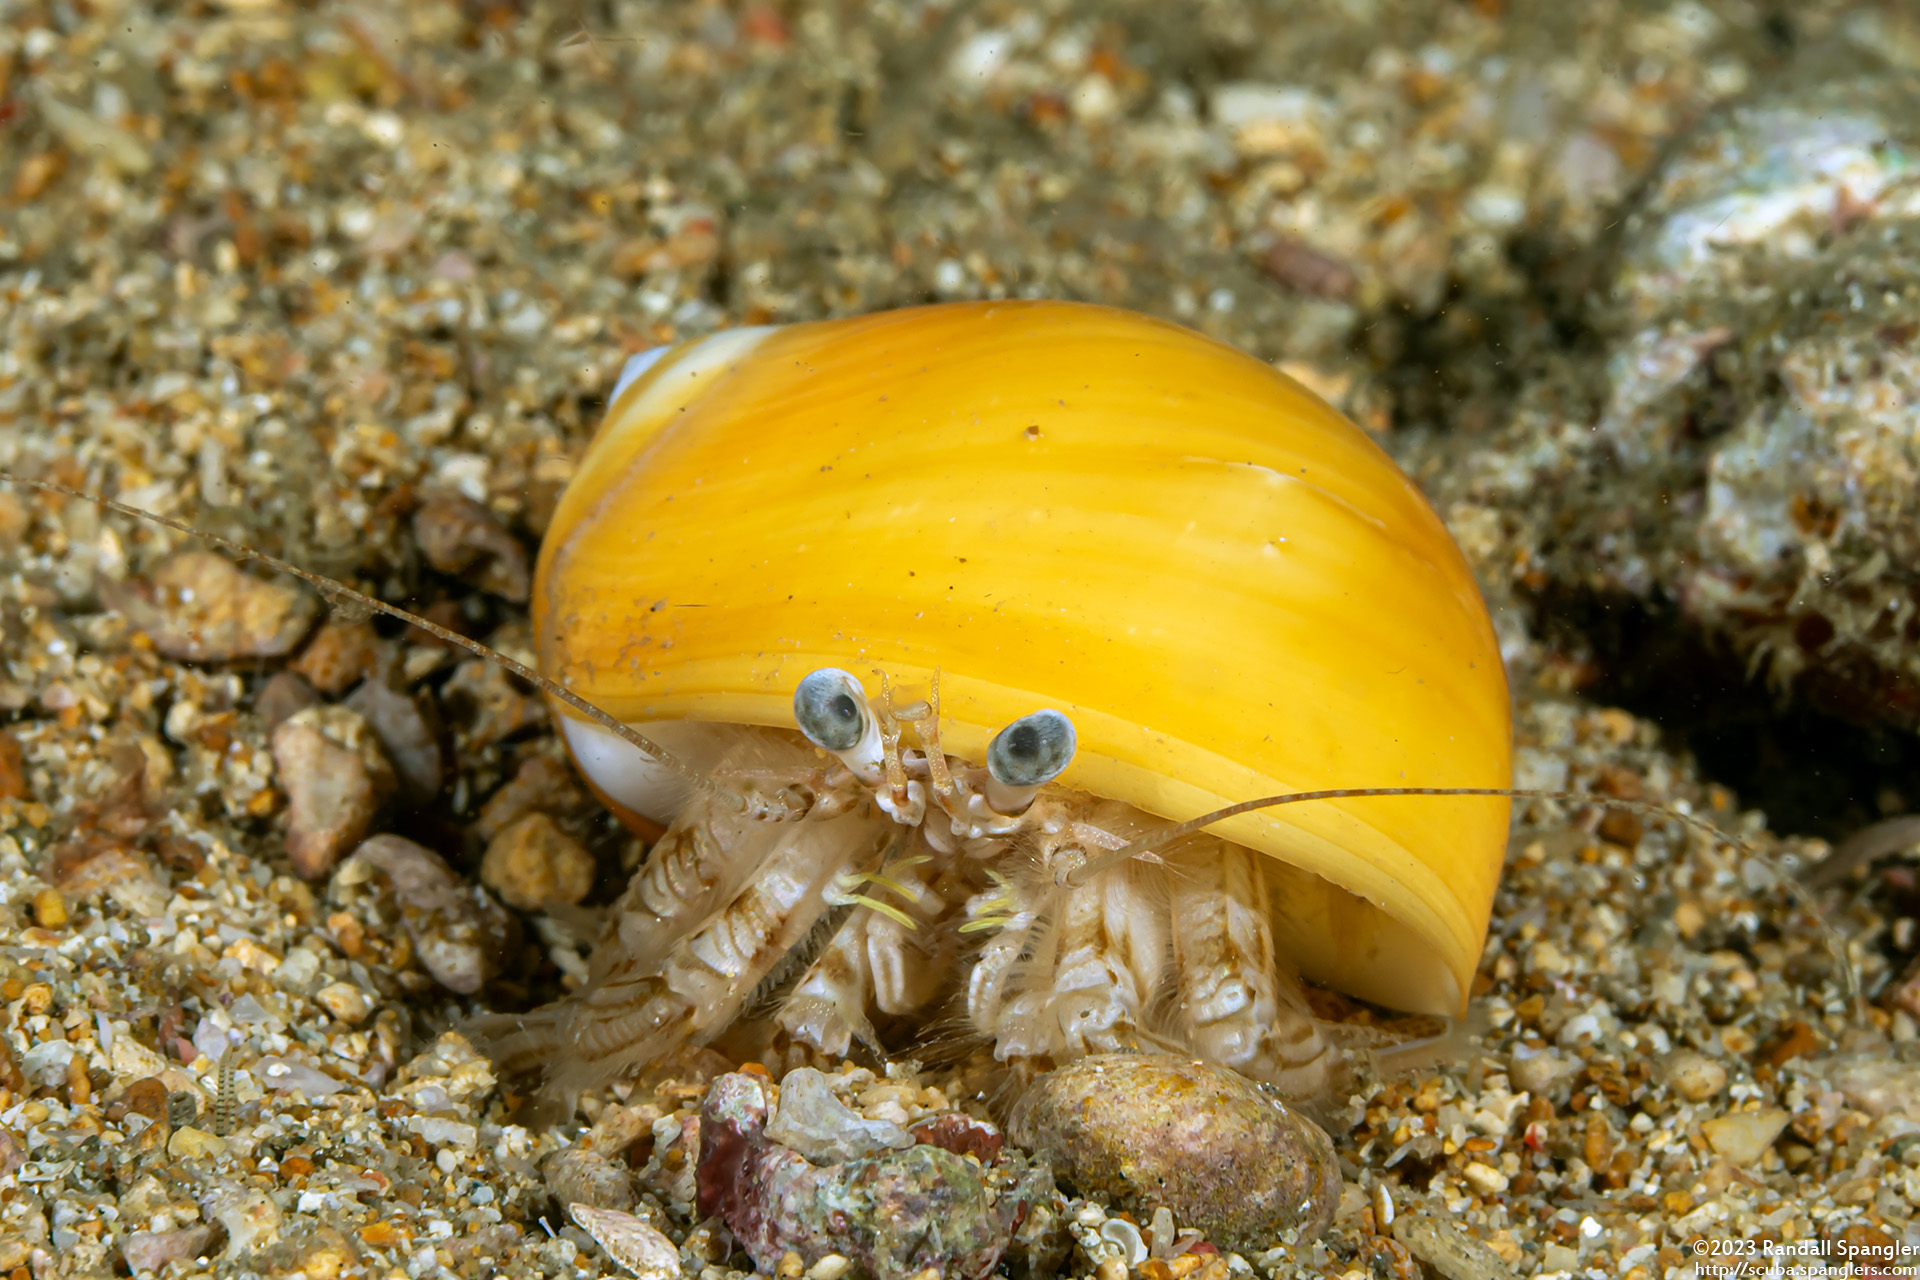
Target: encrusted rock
x,y
198,607
336,779
1226,1155
532,863
461,934
892,1215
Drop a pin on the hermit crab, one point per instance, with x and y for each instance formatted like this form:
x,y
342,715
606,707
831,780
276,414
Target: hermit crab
x,y
941,637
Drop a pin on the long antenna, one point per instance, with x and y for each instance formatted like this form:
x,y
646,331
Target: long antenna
x,y
336,592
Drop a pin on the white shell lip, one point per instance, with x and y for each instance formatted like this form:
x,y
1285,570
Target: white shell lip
x,y
635,368
691,362
627,777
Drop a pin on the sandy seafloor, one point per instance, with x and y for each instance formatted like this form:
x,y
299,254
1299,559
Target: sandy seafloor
x,y
303,274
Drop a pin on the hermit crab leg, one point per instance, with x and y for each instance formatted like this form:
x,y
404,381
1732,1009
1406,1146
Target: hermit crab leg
x,y
886,953
1074,975
1232,1007
827,1009
629,1013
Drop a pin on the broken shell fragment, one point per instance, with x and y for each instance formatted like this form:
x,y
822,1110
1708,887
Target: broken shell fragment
x,y
1144,1131
629,1241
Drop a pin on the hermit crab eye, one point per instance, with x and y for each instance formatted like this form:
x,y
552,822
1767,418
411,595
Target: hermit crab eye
x,y
831,709
1032,751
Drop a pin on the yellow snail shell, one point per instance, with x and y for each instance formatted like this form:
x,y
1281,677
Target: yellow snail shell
x,y
1229,589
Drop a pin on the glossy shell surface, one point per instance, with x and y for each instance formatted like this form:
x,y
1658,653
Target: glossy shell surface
x,y
1230,589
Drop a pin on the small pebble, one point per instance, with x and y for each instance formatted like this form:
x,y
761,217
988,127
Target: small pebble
x,y
148,1097
1693,1075
284,1075
13,776
532,863
339,654
82,867
542,784
281,696
49,909
336,779
459,536
408,733
153,1250
962,1134
183,1108
251,1217
811,1120
1450,1252
1486,1180
1744,1136
484,700
199,607
344,1001
12,1155
1536,1072
189,1142
1161,1228
582,1177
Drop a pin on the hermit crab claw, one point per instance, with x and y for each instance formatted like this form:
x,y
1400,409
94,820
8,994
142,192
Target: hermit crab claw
x,y
1025,756
830,707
